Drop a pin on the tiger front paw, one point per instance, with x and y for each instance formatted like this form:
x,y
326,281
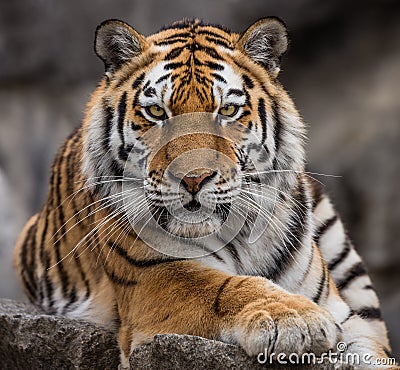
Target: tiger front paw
x,y
292,325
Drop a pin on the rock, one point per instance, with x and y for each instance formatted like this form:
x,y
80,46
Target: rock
x,y
31,339
172,351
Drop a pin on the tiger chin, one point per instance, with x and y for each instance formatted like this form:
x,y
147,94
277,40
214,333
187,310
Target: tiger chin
x,y
182,205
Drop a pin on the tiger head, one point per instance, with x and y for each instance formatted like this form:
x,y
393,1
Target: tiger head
x,y
191,121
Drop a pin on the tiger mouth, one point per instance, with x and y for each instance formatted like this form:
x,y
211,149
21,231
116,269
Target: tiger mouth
x,y
196,217
193,206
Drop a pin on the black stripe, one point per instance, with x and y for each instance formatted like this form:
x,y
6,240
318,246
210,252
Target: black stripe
x,y
308,269
324,228
349,315
170,42
341,257
180,35
235,92
317,193
107,124
29,280
213,253
175,65
60,267
233,252
355,271
387,352
219,42
150,92
122,153
29,289
72,298
32,265
218,77
210,51
263,118
247,81
121,117
116,169
118,280
82,275
277,127
370,313
177,26
146,85
162,78
201,93
211,33
321,286
122,80
70,166
215,66
174,53
248,102
291,245
138,81
48,283
42,253
134,126
246,113
217,298
122,252
135,102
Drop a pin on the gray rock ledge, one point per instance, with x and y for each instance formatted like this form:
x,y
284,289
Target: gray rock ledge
x,y
30,339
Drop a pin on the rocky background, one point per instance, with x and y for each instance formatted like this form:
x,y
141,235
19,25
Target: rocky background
x,y
343,70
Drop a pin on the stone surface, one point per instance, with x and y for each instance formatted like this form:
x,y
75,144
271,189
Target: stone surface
x,y
30,339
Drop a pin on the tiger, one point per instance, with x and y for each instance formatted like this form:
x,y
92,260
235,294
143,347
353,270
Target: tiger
x,y
181,204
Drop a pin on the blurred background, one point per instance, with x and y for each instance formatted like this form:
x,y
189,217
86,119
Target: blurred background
x,y
342,69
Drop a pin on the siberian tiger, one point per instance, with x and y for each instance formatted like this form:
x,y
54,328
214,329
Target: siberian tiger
x,y
182,204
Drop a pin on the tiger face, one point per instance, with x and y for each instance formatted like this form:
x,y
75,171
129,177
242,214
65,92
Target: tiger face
x,y
188,122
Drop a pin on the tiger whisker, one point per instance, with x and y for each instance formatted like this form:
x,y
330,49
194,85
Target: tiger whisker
x,y
104,220
270,216
128,212
107,176
111,200
125,217
296,204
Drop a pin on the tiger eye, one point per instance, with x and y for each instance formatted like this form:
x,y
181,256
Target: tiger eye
x,y
229,110
156,111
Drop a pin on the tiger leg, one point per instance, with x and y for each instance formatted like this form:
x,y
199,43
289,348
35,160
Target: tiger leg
x,y
187,298
24,258
346,266
360,339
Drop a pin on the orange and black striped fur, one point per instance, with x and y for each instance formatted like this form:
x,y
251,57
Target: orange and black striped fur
x,y
287,279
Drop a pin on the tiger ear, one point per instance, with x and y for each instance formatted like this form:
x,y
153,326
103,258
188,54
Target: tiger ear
x,y
265,41
116,43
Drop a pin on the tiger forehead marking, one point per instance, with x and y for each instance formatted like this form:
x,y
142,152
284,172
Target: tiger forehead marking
x,y
193,70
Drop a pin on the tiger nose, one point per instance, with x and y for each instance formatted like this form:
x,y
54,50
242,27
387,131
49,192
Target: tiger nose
x,y
194,182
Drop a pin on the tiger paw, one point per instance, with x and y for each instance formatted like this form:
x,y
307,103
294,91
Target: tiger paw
x,y
292,325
